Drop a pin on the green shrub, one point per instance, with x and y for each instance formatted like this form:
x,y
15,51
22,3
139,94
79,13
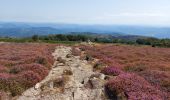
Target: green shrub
x,y
35,37
41,60
135,68
14,70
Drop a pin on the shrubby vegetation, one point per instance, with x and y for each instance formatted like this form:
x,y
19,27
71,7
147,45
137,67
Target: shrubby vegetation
x,y
133,87
154,42
112,71
65,37
23,65
78,37
105,39
134,72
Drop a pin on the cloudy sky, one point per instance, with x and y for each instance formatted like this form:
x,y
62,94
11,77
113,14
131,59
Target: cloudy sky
x,y
128,12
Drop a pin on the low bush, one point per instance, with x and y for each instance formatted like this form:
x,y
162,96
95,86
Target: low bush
x,y
160,79
112,71
41,60
22,65
152,64
134,87
36,68
9,84
28,78
3,69
137,68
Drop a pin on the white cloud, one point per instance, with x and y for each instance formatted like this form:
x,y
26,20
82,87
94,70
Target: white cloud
x,y
137,15
133,15
141,18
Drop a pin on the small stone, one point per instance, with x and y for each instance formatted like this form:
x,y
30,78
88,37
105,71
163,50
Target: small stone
x,y
37,86
102,76
96,83
51,85
69,55
61,60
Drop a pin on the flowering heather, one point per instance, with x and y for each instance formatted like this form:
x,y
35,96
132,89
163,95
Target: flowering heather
x,y
126,55
134,87
23,65
112,71
3,69
160,79
28,78
5,76
4,96
151,63
36,68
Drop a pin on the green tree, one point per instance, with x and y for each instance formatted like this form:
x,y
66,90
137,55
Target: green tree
x,y
35,37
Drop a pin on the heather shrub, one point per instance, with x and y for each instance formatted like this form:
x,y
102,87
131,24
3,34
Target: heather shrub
x,y
41,60
160,79
138,59
22,65
36,68
15,88
8,83
138,68
4,95
4,80
28,78
111,71
15,70
134,87
6,76
166,85
3,69
39,69
125,55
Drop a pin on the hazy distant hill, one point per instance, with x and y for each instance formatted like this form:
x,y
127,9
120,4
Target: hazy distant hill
x,y
29,29
27,32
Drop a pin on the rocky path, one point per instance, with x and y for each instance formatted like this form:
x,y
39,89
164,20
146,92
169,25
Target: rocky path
x,y
69,79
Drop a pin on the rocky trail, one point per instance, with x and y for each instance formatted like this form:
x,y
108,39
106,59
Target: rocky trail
x,y
69,79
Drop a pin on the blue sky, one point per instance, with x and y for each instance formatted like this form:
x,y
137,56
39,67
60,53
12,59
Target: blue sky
x,y
128,12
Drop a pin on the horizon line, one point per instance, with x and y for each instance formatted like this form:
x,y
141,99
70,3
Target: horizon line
x,y
85,24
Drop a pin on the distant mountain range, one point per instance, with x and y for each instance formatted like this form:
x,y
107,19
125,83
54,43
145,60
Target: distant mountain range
x,y
14,29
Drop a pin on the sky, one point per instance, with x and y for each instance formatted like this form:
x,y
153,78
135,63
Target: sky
x,y
123,12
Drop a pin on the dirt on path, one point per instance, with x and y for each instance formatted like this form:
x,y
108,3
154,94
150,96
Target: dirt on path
x,y
69,79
